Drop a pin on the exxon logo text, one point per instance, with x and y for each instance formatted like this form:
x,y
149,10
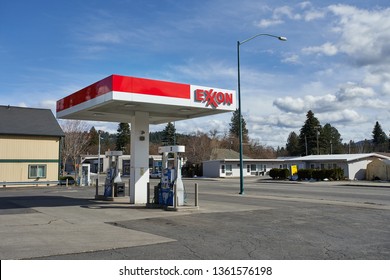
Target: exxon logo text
x,y
213,98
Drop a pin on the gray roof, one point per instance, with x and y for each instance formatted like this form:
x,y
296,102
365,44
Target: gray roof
x,y
28,121
339,157
225,154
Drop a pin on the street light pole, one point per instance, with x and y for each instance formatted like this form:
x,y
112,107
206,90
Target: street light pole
x,y
239,100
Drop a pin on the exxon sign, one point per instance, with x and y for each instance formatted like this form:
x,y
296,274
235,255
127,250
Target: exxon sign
x,y
213,98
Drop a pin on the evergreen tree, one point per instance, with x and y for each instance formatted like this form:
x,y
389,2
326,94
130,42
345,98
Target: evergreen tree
x,y
94,136
330,141
169,134
235,127
93,141
292,145
123,138
379,138
309,135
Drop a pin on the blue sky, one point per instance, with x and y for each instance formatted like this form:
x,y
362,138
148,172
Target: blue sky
x,y
336,61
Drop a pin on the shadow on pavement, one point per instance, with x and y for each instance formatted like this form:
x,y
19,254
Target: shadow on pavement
x,y
22,202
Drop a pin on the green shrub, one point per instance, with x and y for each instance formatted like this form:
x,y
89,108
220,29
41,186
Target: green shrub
x,y
279,173
321,174
283,173
273,173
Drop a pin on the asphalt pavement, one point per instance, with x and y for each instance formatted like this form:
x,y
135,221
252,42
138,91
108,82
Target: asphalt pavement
x,y
272,220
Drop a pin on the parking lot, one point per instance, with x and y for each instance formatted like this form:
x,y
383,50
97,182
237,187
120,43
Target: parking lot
x,y
272,220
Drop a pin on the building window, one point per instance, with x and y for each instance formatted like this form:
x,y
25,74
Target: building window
x,y
229,169
223,169
36,171
254,169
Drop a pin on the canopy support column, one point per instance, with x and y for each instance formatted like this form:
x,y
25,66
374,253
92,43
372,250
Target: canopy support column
x,y
139,163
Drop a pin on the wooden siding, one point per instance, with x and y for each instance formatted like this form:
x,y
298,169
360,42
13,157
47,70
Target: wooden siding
x,y
18,152
24,147
18,172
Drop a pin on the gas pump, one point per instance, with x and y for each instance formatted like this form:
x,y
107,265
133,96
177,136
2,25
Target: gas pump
x,y
113,175
171,180
84,174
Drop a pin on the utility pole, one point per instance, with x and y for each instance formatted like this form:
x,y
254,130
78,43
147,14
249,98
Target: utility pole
x,y
331,147
306,143
318,134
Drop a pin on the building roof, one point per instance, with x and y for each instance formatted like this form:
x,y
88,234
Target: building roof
x,y
338,157
217,154
28,121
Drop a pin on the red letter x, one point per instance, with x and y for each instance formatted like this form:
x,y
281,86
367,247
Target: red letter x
x,y
210,98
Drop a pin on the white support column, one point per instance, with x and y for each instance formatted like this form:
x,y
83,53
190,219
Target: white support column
x,y
139,163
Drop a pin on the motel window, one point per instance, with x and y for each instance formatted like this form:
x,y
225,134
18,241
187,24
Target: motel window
x,y
36,171
248,168
253,168
223,169
229,167
229,170
322,166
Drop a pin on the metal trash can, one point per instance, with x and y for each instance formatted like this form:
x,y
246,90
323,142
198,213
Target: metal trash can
x,y
119,189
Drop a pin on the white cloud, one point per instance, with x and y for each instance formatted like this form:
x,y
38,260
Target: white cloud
x,y
309,102
313,15
302,11
343,116
365,36
264,23
289,120
291,58
379,77
327,49
290,104
286,11
305,4
352,91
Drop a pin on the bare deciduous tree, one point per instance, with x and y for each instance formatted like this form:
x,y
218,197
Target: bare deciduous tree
x,y
75,142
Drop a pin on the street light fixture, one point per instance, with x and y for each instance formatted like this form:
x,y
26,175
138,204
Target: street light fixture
x,y
239,99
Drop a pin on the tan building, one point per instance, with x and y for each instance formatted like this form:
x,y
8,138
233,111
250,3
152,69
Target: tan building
x,y
30,141
378,169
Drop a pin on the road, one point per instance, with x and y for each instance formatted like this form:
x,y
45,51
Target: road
x,y
329,192
272,220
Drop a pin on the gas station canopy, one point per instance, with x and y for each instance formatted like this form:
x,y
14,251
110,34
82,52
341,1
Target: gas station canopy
x,y
142,102
117,98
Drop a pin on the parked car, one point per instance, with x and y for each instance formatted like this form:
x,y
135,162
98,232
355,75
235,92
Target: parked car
x,y
155,175
63,179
